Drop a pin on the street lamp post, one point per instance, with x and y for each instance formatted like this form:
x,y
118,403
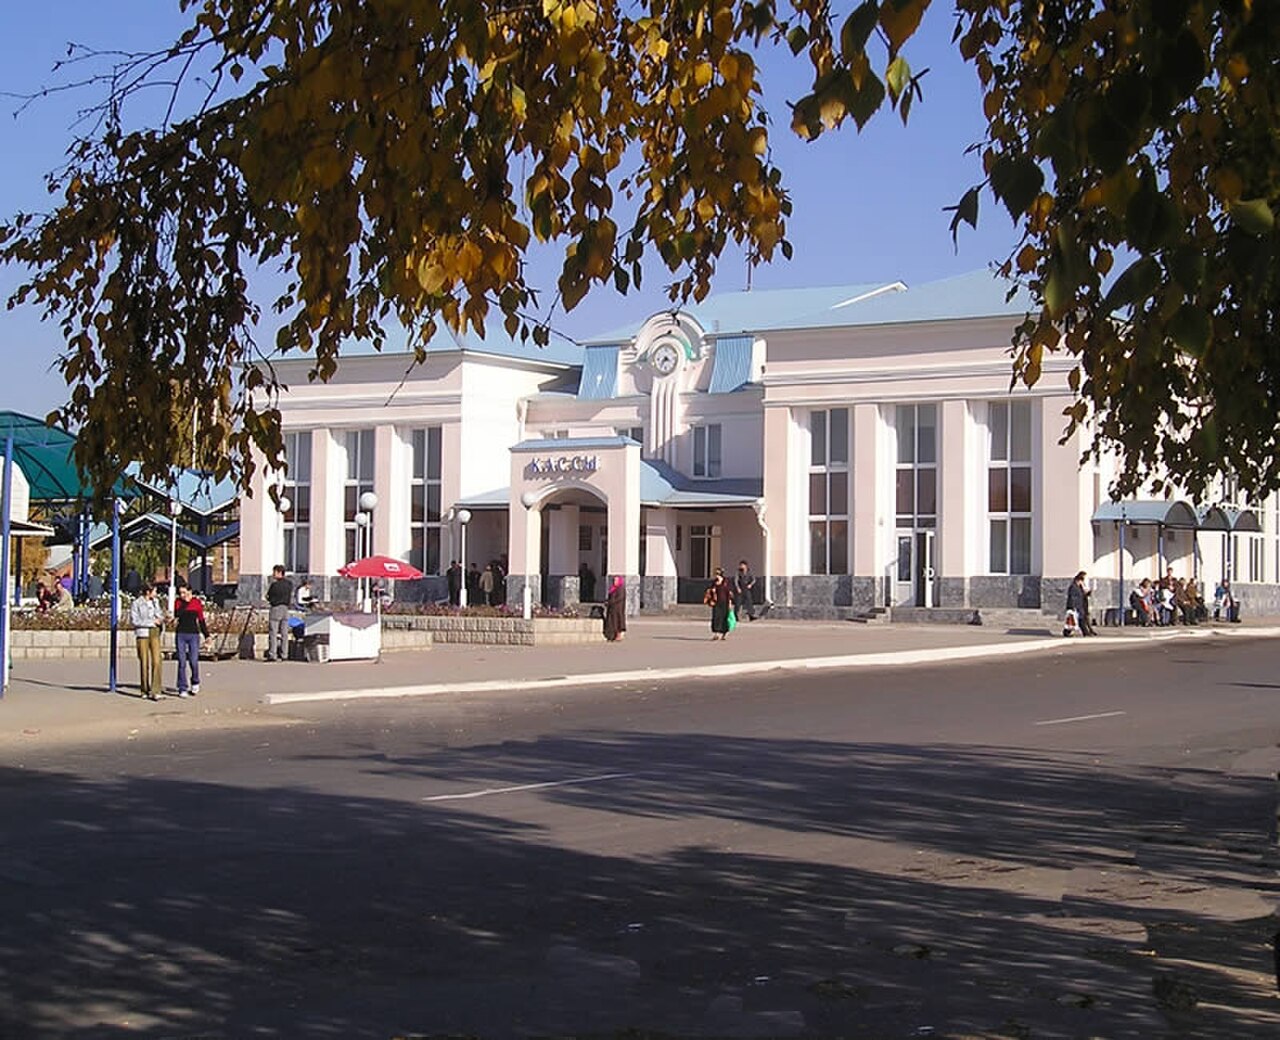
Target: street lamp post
x,y
463,517
368,503
362,523
175,507
283,506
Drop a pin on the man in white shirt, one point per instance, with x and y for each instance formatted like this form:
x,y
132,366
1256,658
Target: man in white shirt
x,y
147,618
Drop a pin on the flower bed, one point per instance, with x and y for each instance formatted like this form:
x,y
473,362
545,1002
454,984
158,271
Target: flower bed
x,y
85,632
497,629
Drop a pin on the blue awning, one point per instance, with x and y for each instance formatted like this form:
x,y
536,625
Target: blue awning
x,y
1165,513
731,368
599,374
1242,520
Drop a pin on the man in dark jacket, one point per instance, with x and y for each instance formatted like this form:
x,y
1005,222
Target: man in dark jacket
x,y
454,578
744,583
279,596
1078,601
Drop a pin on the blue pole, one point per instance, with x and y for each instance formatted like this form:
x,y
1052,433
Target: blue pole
x,y
75,560
6,530
115,592
1123,599
82,578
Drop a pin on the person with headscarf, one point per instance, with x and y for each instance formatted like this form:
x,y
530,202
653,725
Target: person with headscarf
x,y
615,611
719,597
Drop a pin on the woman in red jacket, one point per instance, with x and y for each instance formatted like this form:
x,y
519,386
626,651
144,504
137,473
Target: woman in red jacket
x,y
189,625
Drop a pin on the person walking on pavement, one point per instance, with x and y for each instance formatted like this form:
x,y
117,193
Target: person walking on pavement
x,y
615,611
1078,605
147,618
744,584
188,627
279,596
719,597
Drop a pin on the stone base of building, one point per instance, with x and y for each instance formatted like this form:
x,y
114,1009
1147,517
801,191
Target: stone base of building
x,y
515,590
658,592
559,590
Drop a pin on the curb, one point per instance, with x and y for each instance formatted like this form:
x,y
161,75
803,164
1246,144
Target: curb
x,y
740,668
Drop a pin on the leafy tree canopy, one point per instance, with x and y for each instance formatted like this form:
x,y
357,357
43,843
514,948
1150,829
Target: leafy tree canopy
x,y
396,158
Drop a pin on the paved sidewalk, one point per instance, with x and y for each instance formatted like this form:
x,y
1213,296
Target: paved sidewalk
x,y
68,701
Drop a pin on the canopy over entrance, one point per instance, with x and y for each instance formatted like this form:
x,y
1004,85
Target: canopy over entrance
x,y
1180,515
1165,513
47,458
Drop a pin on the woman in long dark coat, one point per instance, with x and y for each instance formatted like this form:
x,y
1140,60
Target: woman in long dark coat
x,y
615,611
719,598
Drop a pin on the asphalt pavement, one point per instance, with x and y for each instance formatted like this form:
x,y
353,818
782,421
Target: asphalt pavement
x,y
70,700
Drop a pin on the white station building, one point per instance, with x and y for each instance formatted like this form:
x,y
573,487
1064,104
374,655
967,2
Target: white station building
x,y
858,445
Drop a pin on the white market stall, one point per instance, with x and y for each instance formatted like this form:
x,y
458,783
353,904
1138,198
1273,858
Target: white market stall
x,y
344,637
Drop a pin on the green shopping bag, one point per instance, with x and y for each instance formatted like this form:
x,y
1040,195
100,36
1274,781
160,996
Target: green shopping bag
x,y
733,617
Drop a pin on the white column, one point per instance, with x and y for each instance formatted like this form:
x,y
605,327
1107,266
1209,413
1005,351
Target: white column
x,y
778,479
955,443
391,492
562,548
328,472
660,543
624,516
1062,496
869,507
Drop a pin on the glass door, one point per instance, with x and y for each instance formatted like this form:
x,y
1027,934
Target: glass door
x,y
904,570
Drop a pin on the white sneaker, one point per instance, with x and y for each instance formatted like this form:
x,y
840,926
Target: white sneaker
x,y
195,688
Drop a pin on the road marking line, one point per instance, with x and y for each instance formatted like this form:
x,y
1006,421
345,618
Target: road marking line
x,y
1082,718
883,659
525,787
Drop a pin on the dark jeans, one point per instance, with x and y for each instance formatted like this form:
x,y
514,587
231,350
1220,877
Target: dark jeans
x,y
188,645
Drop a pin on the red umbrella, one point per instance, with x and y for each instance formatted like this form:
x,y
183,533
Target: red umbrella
x,y
380,567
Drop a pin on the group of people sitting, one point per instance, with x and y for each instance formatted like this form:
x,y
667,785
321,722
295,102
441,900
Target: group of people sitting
x,y
52,595
1172,601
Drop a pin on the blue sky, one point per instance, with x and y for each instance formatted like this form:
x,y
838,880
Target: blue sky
x,y
867,207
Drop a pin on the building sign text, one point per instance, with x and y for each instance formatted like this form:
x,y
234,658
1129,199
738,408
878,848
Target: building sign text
x,y
554,466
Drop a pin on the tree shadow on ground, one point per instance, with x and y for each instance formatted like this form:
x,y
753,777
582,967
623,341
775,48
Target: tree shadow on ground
x,y
901,888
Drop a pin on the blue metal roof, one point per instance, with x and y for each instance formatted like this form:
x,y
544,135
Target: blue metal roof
x,y
100,534
495,343
571,443
195,490
978,294
732,366
1158,511
759,309
660,485
599,380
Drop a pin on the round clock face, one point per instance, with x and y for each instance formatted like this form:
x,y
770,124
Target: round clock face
x,y
665,358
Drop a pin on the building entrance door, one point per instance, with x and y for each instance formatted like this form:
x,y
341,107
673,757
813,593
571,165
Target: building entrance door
x,y
915,577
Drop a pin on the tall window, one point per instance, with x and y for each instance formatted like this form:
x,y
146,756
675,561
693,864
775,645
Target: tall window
x,y
916,488
829,491
699,551
706,451
359,445
297,488
424,501
1256,568
1275,530
1009,486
